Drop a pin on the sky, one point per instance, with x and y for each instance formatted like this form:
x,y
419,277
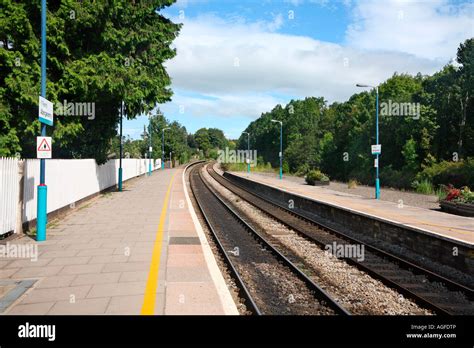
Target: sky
x,y
238,59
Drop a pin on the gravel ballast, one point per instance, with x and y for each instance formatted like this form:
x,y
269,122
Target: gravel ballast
x,y
355,290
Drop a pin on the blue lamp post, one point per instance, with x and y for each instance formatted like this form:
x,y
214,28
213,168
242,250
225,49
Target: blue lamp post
x,y
149,147
248,151
41,209
377,181
121,150
281,147
163,147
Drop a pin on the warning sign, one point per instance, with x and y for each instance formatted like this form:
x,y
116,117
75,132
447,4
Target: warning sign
x,y
43,147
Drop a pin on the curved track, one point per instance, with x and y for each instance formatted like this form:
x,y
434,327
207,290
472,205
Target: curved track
x,y
268,281
390,269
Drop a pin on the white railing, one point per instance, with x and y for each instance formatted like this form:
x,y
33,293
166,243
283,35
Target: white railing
x,y
68,181
9,187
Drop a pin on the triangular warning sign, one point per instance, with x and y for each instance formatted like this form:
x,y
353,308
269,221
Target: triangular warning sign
x,y
44,146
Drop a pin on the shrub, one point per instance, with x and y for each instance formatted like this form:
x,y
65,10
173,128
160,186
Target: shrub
x,y
466,195
225,167
352,184
315,175
441,193
458,174
395,178
213,154
303,170
450,193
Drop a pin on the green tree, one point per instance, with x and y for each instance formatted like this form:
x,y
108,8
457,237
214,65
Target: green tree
x,y
203,142
100,52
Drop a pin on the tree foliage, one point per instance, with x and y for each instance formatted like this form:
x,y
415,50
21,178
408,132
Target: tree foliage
x,y
99,52
336,138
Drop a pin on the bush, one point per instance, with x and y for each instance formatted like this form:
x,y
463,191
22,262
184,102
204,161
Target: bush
x,y
225,167
213,154
315,175
395,178
453,194
458,174
352,184
364,176
303,170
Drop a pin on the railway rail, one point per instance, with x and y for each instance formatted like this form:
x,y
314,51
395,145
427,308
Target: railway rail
x,y
269,282
429,289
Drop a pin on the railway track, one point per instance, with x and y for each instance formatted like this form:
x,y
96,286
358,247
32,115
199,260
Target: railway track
x,y
269,282
426,288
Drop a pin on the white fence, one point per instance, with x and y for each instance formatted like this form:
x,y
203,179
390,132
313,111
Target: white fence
x,y
68,181
9,195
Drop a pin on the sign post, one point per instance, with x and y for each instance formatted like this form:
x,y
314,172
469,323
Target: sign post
x,y
46,118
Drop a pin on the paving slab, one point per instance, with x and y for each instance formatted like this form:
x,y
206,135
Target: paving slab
x,y
101,258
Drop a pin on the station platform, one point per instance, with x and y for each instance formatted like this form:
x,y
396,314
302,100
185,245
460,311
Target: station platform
x,y
450,227
140,251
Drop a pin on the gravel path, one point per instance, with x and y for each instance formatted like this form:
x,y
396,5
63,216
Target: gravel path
x,y
386,194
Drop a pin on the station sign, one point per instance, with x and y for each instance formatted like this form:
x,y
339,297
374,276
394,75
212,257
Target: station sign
x,y
43,147
45,111
376,149
376,162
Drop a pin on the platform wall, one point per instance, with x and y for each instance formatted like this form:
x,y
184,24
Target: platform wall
x,y
68,181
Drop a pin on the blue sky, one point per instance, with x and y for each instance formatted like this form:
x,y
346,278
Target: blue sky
x,y
237,59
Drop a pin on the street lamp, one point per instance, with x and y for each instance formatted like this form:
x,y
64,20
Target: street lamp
x,y
42,189
121,150
281,147
149,148
377,181
163,148
248,151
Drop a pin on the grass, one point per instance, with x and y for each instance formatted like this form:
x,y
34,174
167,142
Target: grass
x,y
352,184
85,206
441,194
242,167
425,187
52,224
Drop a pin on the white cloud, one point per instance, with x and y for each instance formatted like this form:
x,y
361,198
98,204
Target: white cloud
x,y
225,105
430,29
222,59
234,68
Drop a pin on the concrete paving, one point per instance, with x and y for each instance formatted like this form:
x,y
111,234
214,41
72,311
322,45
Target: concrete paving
x,y
453,227
103,257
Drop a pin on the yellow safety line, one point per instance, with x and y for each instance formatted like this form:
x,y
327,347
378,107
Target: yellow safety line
x,y
149,300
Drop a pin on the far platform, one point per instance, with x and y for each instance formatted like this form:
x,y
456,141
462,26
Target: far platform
x,y
446,226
